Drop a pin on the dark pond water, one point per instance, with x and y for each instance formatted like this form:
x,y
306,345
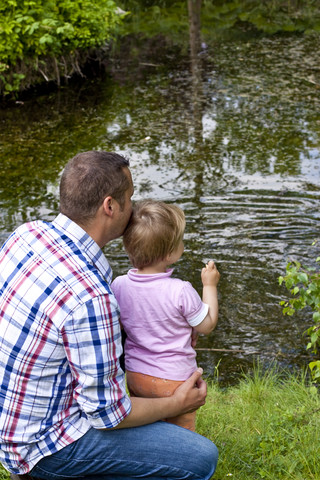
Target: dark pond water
x,y
239,152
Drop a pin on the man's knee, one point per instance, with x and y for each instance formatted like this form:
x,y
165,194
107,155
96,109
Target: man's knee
x,y
208,457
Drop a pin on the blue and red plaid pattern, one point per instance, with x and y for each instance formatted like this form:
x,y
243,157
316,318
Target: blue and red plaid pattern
x,y
60,342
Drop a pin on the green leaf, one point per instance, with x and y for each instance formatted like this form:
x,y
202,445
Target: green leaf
x,y
46,38
314,337
316,317
313,365
303,277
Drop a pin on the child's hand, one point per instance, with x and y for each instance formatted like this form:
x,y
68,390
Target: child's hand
x,y
210,275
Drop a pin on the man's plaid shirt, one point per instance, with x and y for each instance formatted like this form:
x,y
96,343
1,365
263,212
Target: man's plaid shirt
x,y
60,342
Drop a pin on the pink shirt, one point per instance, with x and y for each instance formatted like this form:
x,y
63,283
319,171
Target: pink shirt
x,y
158,313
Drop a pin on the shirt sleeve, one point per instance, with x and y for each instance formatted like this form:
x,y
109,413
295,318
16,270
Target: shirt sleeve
x,y
191,305
115,286
92,339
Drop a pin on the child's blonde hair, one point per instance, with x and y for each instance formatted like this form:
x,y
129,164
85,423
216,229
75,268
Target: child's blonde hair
x,y
154,232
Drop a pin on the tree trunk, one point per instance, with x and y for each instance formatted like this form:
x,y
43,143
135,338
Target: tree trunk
x,y
194,9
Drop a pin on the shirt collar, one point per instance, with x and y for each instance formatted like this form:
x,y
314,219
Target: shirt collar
x,y
137,277
85,243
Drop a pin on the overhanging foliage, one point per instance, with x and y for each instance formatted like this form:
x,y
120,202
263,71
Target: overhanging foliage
x,y
304,284
35,33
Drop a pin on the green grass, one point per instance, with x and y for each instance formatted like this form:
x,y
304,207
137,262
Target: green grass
x,y
266,427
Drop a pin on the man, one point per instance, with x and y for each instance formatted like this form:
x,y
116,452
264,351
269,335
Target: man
x,y
64,411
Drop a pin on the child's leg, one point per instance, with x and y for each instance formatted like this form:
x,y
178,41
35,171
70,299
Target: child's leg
x,y
147,386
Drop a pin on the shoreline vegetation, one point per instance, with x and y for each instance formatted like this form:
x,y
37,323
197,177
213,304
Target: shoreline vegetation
x,y
265,427
45,43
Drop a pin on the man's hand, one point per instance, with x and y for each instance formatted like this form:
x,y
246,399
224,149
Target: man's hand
x,y
188,397
192,393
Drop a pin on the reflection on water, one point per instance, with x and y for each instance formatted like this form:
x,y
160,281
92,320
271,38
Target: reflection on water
x,y
242,158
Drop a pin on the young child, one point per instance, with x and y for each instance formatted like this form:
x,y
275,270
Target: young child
x,y
158,312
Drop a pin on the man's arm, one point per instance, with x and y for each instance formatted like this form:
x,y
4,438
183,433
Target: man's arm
x,y
99,392
188,397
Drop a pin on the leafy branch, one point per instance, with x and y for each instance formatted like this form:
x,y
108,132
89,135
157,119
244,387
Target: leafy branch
x,y
38,31
304,284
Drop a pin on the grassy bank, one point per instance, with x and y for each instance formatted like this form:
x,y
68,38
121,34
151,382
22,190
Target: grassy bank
x,y
266,427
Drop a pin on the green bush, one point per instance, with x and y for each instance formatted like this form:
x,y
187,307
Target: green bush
x,y
304,284
269,16
32,31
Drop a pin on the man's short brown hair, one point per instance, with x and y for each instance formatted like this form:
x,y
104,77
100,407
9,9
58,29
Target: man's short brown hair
x,y
154,232
88,179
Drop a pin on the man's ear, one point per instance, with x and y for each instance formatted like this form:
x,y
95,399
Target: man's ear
x,y
108,206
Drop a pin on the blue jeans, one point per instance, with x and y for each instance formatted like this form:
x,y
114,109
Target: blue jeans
x,y
157,451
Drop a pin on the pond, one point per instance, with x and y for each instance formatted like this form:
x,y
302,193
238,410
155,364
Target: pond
x,y
239,151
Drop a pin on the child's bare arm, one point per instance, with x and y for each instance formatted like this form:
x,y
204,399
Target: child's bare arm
x,y
210,278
